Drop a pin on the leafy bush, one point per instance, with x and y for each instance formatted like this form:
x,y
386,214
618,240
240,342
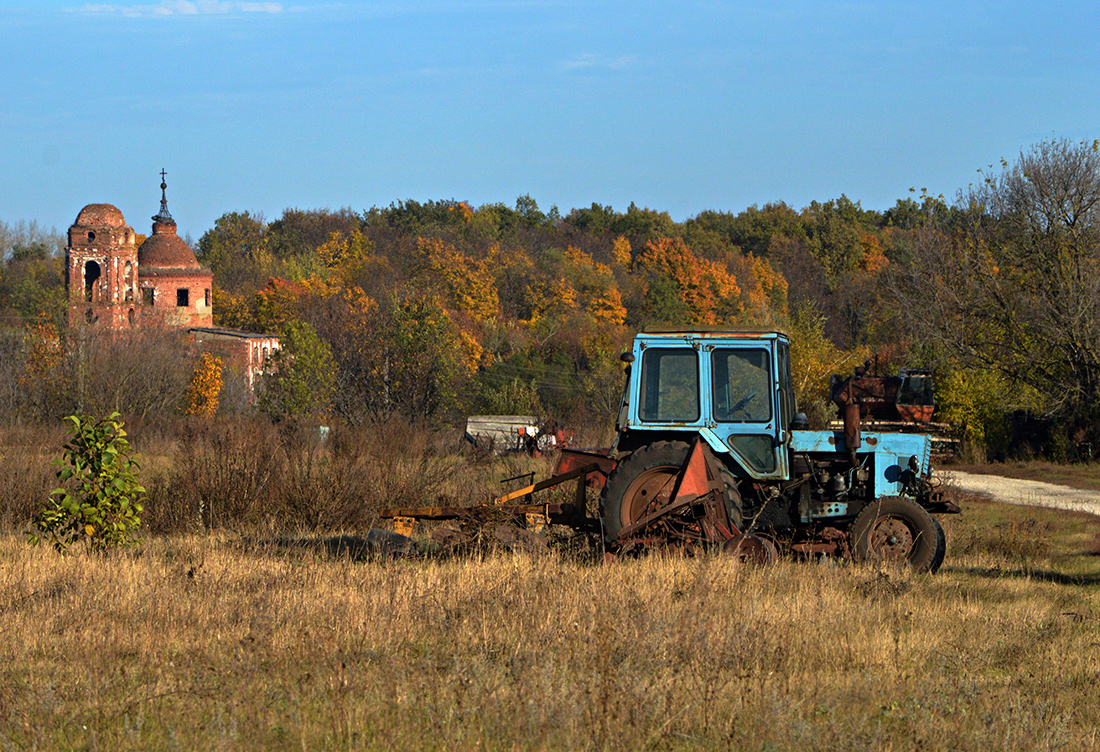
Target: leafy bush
x,y
975,402
103,501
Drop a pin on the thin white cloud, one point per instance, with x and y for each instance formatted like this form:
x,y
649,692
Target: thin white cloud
x,y
181,8
587,61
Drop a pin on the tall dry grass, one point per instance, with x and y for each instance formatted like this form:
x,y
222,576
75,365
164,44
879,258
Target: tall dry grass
x,y
199,643
26,476
249,476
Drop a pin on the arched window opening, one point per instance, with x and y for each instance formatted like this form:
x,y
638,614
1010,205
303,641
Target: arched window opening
x,y
92,273
130,316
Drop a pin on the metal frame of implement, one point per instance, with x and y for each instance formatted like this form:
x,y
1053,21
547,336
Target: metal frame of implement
x,y
694,499
573,514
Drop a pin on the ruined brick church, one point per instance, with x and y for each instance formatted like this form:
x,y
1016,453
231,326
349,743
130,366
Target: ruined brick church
x,y
117,285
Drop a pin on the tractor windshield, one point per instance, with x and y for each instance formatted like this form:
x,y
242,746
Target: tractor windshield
x,y
669,386
742,385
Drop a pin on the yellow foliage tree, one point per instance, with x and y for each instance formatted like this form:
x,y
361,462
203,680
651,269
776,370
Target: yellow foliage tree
x,y
231,310
814,358
578,257
206,384
342,252
464,283
42,376
621,253
764,293
549,299
43,355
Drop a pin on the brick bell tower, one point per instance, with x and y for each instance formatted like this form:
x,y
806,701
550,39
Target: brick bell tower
x,y
101,271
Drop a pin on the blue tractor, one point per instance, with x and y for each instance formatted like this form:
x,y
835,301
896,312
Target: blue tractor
x,y
711,451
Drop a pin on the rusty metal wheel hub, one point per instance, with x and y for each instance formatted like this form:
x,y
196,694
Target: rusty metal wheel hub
x,y
892,538
751,549
649,492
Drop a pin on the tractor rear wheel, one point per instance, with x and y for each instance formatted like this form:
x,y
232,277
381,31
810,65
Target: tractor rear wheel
x,y
897,530
643,482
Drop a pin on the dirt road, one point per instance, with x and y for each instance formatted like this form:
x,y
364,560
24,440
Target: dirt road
x,y
1026,492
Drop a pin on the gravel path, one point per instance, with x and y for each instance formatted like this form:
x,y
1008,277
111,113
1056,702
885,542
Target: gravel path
x,y
1025,492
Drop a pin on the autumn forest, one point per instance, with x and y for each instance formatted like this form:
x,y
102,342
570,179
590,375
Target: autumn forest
x,y
432,311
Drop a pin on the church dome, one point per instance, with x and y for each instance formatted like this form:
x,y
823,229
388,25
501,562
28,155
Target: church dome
x,y
100,215
164,249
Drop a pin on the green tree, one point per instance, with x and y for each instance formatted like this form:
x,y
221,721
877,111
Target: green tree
x,y
753,229
300,232
430,361
302,378
411,218
834,230
595,220
32,284
1018,290
641,226
909,213
23,240
236,250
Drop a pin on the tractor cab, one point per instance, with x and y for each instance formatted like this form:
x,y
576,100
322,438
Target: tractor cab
x,y
733,389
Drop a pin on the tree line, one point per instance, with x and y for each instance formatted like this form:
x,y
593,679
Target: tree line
x,y
434,310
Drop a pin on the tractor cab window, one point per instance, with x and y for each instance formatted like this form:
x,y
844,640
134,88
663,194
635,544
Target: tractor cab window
x,y
786,388
669,386
742,386
915,389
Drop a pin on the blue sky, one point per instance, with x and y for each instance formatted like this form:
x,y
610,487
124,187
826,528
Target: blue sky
x,y
679,107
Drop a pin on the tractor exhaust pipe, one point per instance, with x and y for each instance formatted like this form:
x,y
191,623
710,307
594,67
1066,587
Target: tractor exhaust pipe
x,y
853,440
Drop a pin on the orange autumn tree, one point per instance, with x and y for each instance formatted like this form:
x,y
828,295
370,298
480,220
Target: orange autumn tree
x,y
707,290
202,393
873,258
268,310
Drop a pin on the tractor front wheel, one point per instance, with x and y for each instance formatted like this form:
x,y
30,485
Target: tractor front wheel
x,y
643,483
897,530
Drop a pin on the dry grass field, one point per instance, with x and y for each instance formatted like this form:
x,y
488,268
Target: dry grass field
x,y
204,642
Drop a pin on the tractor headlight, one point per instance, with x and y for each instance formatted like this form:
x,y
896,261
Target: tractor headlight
x,y
914,464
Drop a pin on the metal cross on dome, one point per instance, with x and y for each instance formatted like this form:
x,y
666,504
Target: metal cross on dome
x,y
164,215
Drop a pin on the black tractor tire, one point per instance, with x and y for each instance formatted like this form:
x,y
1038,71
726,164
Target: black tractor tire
x,y
941,543
642,483
897,530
